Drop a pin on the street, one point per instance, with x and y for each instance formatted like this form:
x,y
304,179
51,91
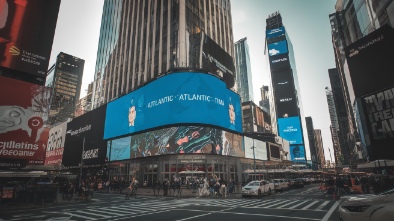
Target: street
x,y
307,203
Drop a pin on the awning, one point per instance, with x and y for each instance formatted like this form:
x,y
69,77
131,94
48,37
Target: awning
x,y
376,163
23,174
191,172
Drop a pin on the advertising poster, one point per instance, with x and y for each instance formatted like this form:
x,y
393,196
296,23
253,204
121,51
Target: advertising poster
x,y
27,29
232,144
290,129
260,149
371,60
178,98
119,149
173,140
284,92
274,151
55,145
379,118
85,134
276,32
23,114
279,61
297,153
277,48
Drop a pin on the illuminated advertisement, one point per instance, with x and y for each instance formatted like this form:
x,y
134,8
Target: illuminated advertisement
x,y
23,114
55,146
260,149
276,32
178,98
297,153
371,60
26,34
85,134
284,93
277,48
379,120
232,144
279,61
119,149
173,140
290,129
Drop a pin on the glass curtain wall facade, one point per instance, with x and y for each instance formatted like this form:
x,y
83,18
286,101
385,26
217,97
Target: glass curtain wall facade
x,y
312,142
142,40
243,70
65,79
353,20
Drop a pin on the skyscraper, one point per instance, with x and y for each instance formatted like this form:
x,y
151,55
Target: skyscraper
x,y
243,70
265,102
312,142
65,79
320,158
142,40
336,134
285,89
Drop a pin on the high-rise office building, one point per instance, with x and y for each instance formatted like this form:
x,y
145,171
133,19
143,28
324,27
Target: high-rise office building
x,y
243,70
285,89
265,102
320,158
65,79
84,104
141,40
312,142
354,24
336,134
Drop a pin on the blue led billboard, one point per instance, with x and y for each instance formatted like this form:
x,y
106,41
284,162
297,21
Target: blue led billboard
x,y
277,48
290,129
297,153
178,98
276,32
119,149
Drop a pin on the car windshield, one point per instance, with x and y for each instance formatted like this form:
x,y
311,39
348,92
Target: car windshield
x,y
253,184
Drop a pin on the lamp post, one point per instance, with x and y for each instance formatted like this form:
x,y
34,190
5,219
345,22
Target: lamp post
x,y
254,160
81,164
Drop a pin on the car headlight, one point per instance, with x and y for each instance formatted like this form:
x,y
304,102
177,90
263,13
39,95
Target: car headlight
x,y
356,209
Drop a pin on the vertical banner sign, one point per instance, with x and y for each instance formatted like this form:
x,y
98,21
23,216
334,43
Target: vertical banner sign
x,y
55,146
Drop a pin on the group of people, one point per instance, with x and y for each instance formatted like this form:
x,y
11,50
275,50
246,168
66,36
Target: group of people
x,y
214,186
169,188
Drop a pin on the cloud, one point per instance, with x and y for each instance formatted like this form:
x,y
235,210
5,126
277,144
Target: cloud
x,y
239,17
273,52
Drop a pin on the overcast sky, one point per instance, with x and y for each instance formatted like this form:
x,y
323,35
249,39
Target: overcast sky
x,y
306,22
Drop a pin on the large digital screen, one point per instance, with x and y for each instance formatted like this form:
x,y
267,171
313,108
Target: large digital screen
x,y
178,98
284,93
260,149
371,60
290,129
173,140
277,48
119,149
55,146
85,134
232,145
26,34
377,108
276,32
297,153
23,114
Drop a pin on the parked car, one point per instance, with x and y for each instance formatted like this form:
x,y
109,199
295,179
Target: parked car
x,y
285,184
278,184
371,207
297,183
257,188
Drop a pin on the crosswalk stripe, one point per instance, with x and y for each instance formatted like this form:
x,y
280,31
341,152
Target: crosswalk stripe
x,y
93,214
309,205
297,205
288,204
322,205
106,211
276,203
80,216
268,202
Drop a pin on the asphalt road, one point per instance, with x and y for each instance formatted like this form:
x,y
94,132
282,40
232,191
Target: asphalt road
x,y
307,203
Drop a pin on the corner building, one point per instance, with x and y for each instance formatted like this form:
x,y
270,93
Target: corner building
x,y
285,88
166,70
